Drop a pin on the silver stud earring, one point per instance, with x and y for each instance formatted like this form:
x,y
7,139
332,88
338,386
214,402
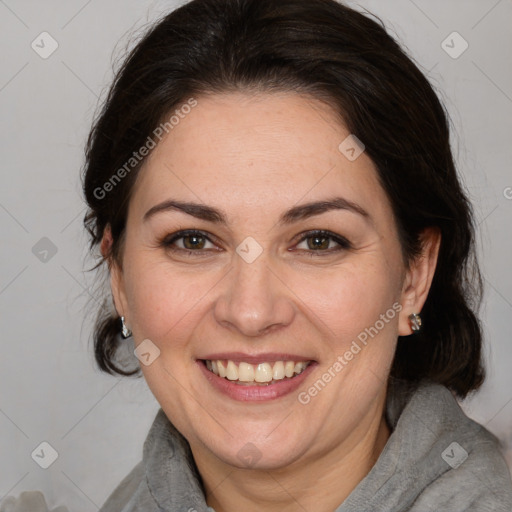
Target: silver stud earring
x,y
415,320
125,331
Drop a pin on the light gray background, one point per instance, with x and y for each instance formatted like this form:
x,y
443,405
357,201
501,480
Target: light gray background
x,y
49,388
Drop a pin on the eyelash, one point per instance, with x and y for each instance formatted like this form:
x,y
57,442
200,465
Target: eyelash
x,y
343,243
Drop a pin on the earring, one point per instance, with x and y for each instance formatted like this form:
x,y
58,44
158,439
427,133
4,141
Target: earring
x,y
125,331
415,320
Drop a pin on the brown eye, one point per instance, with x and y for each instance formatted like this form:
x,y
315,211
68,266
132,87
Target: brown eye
x,y
194,241
323,242
318,242
191,241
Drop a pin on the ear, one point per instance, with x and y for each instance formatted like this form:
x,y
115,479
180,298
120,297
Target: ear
x,y
418,279
116,273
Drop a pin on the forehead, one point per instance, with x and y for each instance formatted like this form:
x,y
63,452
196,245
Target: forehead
x,y
256,153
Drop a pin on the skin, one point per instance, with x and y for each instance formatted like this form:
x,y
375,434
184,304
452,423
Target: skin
x,y
254,157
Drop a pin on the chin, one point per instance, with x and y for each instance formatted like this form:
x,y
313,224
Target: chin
x,y
263,454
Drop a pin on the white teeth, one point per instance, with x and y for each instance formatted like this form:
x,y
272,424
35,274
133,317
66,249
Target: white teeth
x,y
299,367
261,373
278,370
221,369
231,371
245,372
289,368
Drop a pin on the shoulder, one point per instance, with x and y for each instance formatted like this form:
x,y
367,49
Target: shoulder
x,y
477,474
481,483
124,496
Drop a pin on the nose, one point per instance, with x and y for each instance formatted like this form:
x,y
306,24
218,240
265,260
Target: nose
x,y
255,299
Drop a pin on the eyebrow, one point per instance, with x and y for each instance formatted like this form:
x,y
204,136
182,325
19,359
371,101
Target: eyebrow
x,y
303,211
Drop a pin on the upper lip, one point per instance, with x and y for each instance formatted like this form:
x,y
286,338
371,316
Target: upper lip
x,y
268,357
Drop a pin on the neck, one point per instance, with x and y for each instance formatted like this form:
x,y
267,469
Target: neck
x,y
319,483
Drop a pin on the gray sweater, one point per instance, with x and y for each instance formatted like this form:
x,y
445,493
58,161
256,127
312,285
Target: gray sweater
x,y
436,460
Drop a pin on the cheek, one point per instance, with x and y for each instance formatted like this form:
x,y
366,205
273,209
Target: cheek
x,y
351,299
163,303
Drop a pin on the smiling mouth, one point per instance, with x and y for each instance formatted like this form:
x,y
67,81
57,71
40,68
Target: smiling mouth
x,y
262,374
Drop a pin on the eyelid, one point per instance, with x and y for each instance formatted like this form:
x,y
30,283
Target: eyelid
x,y
342,241
168,240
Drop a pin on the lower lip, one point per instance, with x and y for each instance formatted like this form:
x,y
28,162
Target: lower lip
x,y
246,393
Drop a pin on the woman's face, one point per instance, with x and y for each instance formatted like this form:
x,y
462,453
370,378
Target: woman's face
x,y
256,287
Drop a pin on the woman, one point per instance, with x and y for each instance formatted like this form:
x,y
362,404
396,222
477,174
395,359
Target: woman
x,y
292,255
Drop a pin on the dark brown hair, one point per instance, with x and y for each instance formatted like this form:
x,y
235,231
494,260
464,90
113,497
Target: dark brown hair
x,y
338,55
